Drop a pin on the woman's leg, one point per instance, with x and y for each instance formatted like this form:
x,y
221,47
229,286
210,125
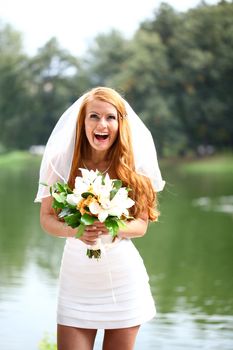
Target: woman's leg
x,y
124,338
71,338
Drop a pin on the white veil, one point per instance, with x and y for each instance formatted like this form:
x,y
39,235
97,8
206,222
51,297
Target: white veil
x,y
57,159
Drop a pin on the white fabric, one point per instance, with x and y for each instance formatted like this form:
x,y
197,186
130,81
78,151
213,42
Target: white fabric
x,y
57,158
146,162
112,292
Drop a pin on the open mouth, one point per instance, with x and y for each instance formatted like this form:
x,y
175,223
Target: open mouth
x,y
101,136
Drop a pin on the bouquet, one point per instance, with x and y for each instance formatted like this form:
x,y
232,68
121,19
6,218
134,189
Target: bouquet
x,y
95,197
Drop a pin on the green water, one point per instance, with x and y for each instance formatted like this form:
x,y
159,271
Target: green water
x,y
188,255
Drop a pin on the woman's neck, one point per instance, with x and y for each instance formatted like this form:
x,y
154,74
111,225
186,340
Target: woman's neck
x,y
97,158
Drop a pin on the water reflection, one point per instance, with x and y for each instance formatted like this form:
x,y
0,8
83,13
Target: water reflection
x,y
223,204
188,255
21,238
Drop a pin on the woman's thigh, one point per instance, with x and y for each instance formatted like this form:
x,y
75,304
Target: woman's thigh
x,y
124,338
71,338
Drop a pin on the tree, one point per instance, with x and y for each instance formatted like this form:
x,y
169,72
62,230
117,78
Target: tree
x,y
106,57
202,69
50,87
144,81
13,75
199,55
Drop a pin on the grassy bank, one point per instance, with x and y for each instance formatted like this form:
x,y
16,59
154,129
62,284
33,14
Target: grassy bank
x,y
216,164
222,163
17,159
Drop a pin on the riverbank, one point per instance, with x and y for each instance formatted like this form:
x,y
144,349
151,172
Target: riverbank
x,y
219,163
17,159
216,164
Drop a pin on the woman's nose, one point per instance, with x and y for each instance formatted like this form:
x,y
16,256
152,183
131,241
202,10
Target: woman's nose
x,y
102,122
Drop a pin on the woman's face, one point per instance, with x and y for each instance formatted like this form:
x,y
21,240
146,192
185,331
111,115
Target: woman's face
x,y
101,125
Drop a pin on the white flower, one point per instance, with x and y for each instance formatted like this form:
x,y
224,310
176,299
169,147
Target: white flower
x,y
122,200
96,209
116,207
80,186
101,188
73,199
116,211
103,214
88,176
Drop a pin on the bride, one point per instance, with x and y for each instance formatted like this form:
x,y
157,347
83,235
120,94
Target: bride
x,y
101,131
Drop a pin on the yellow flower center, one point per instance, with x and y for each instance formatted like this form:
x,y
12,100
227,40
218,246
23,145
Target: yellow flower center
x,y
83,205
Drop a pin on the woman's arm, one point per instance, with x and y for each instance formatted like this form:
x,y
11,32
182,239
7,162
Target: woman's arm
x,y
50,222
52,225
135,228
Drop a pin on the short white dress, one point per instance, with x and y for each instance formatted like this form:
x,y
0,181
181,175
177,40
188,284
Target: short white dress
x,y
107,293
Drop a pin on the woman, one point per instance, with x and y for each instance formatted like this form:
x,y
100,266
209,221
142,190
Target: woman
x,y
101,131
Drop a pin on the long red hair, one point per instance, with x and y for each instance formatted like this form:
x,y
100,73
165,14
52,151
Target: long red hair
x,y
121,153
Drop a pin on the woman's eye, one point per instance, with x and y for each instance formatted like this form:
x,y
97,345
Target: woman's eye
x,y
94,116
113,117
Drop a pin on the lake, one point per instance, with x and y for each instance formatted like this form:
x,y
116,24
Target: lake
x,y
188,255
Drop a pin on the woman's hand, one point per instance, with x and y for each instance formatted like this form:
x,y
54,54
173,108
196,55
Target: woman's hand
x,y
93,232
134,228
51,224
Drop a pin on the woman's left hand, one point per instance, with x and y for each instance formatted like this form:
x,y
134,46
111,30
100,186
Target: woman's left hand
x,y
100,228
93,232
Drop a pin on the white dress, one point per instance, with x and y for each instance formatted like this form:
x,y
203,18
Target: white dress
x,y
107,293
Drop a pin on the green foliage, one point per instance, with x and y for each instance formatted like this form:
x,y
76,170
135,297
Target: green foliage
x,y
117,185
13,86
221,164
47,344
73,220
113,225
96,254
80,231
106,57
176,72
18,160
87,219
52,71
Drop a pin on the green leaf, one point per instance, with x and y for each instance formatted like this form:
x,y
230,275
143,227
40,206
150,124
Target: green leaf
x,y
61,198
57,205
87,219
64,212
89,254
73,208
113,193
60,187
86,194
73,220
112,226
121,224
103,179
117,184
96,254
68,190
80,231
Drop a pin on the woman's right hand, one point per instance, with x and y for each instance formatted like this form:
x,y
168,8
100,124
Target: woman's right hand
x,y
51,224
93,232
